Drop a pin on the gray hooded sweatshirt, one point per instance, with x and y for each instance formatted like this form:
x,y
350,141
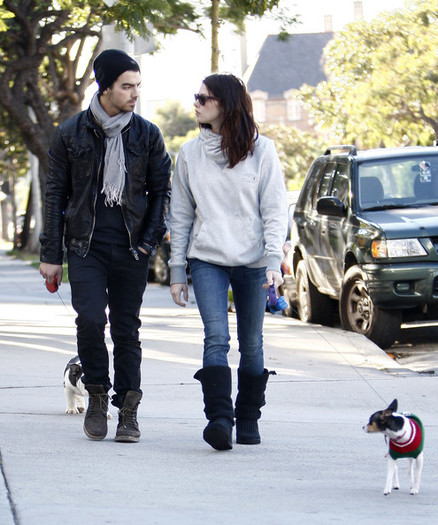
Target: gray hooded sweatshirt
x,y
229,217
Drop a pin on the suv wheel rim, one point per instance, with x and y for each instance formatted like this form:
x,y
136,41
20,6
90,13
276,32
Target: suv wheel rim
x,y
359,308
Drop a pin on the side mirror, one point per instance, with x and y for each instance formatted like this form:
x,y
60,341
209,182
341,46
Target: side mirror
x,y
331,206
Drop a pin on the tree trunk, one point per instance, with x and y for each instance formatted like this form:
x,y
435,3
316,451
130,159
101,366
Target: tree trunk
x,y
23,239
215,36
4,220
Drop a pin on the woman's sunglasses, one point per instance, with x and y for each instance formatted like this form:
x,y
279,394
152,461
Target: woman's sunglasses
x,y
202,99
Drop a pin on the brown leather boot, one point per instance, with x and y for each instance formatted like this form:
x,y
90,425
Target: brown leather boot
x,y
127,429
95,422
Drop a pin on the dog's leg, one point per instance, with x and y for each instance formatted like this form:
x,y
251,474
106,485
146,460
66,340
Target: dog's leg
x,y
415,480
71,404
395,481
80,403
391,476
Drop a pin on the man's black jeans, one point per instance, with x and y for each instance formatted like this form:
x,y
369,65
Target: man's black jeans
x,y
109,276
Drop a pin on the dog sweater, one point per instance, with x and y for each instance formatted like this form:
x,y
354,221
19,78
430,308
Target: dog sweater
x,y
413,447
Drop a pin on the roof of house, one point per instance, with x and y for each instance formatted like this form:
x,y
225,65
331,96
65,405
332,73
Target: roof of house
x,y
284,65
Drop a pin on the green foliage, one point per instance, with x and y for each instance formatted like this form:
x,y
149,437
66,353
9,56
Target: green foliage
x,y
383,86
166,17
174,144
296,150
236,11
13,155
4,15
174,120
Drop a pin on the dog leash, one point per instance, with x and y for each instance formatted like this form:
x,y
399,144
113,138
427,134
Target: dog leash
x,y
54,288
353,367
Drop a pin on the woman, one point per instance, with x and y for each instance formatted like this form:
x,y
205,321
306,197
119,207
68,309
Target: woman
x,y
228,218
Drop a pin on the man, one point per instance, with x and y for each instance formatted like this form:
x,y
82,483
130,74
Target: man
x,y
107,195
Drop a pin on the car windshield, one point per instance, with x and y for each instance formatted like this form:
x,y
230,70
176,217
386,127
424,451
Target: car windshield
x,y
398,182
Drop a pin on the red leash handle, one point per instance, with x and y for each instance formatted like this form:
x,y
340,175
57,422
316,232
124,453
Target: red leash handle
x,y
52,287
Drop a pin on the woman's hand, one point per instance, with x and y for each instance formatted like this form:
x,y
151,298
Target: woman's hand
x,y
273,278
179,293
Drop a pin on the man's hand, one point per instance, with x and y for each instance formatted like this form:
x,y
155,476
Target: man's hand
x,y
180,293
50,271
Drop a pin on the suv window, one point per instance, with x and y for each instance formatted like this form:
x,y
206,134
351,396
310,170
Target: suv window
x,y
398,182
340,185
307,194
326,179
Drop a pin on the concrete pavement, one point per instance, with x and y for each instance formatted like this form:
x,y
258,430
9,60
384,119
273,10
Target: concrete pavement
x,y
315,465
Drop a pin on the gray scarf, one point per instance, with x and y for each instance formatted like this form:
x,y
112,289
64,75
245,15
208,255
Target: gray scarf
x,y
114,167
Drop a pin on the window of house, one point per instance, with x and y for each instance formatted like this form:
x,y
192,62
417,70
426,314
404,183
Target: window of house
x,y
293,109
259,109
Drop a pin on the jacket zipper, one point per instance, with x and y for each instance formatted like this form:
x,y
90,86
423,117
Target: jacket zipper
x,y
95,198
131,249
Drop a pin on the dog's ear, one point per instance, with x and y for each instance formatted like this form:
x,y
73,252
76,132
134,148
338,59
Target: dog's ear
x,y
384,415
76,371
393,406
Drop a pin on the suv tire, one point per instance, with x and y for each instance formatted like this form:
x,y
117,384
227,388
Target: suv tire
x,y
312,306
358,313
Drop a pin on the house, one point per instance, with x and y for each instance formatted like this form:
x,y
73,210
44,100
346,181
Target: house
x,y
281,69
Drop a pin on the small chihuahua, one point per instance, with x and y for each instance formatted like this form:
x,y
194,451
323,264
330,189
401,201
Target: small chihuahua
x,y
74,388
406,440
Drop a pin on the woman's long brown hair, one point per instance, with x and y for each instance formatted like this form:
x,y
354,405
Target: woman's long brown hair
x,y
239,130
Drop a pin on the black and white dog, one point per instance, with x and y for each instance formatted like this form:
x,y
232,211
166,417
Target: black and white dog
x,y
74,388
406,440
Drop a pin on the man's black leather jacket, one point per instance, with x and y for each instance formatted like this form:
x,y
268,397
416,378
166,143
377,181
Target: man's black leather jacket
x,y
75,162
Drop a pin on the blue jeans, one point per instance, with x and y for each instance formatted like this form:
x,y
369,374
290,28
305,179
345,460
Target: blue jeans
x,y
109,277
210,284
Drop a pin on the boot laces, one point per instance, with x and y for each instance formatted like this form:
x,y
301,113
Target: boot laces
x,y
128,418
98,404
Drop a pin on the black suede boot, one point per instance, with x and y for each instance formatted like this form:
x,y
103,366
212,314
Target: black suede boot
x,y
250,398
127,429
216,386
95,422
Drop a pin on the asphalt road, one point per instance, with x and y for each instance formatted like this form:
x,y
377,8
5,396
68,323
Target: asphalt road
x,y
417,348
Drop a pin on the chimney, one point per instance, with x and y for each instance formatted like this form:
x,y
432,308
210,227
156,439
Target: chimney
x,y
328,24
358,11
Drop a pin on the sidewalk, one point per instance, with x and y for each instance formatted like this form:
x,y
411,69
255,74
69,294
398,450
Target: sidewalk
x,y
315,465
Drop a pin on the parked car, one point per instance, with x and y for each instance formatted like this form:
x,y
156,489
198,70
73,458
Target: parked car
x,y
159,270
364,240
292,197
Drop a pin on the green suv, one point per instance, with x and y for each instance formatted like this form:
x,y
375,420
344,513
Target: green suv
x,y
364,238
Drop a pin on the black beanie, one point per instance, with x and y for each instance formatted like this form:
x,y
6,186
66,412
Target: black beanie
x,y
110,64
